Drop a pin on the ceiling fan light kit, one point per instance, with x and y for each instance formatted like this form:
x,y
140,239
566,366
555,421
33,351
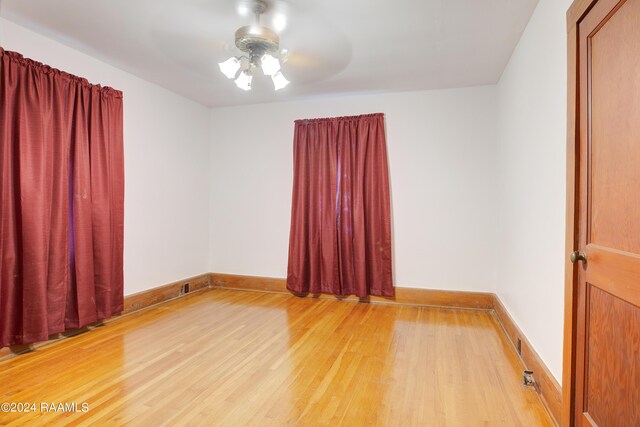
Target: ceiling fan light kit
x,y
230,67
261,44
270,65
244,80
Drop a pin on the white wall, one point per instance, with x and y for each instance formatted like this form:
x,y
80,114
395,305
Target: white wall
x,y
532,135
166,165
442,153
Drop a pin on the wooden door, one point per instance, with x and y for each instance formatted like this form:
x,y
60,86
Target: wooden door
x,y
607,301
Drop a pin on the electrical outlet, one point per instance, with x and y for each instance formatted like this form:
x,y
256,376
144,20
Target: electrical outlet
x,y
185,288
527,379
519,346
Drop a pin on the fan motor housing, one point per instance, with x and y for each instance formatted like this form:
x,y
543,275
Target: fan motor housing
x,y
252,38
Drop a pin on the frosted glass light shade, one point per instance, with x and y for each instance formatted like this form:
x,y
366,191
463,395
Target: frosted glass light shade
x,y
270,65
279,81
244,81
230,67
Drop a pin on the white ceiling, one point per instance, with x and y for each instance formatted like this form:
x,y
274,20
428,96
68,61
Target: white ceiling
x,y
336,46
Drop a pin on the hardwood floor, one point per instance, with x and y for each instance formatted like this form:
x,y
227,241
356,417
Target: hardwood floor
x,y
235,358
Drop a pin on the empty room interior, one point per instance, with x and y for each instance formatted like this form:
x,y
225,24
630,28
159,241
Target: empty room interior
x,y
320,213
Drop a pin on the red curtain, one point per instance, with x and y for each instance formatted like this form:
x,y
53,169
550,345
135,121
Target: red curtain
x,y
62,194
340,241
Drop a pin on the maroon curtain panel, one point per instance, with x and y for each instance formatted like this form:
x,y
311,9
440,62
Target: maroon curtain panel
x,y
340,240
62,195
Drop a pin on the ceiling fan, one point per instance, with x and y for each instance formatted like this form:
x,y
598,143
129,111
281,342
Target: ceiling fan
x,y
262,48
197,35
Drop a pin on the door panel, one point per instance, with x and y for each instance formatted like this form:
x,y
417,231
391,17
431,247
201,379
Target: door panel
x,y
607,352
612,398
615,151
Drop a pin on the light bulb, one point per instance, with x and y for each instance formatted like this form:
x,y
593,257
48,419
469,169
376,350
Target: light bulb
x,y
279,22
244,80
279,81
270,65
230,67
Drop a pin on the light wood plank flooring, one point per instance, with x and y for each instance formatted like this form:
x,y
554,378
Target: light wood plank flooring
x,y
234,358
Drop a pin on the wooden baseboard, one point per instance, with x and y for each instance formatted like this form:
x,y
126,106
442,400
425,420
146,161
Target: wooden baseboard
x,y
412,296
132,303
248,283
546,385
6,352
150,297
